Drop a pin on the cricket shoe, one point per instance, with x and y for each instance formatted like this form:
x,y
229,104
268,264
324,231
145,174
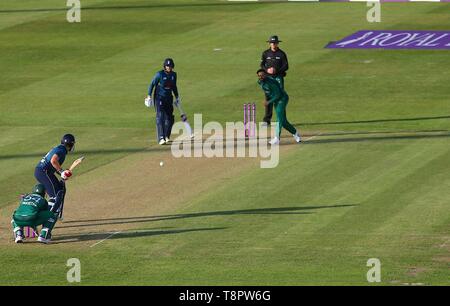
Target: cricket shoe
x,y
19,239
44,240
297,137
162,141
167,140
45,236
18,234
274,141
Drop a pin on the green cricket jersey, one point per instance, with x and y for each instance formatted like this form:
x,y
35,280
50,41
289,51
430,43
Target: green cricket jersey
x,y
273,90
277,95
30,206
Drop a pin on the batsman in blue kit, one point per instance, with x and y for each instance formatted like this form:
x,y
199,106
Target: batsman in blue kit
x,y
50,164
164,85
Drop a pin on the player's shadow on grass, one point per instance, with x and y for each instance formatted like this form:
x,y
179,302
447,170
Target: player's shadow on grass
x,y
372,121
375,136
371,139
399,132
126,234
301,210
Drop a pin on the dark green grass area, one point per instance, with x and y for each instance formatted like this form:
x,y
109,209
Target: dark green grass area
x,y
374,184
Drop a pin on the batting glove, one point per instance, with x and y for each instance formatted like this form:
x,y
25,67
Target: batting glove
x,y
66,174
148,101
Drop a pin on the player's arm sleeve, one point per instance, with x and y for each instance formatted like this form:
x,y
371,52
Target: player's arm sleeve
x,y
54,161
175,88
154,82
284,63
62,153
263,60
43,204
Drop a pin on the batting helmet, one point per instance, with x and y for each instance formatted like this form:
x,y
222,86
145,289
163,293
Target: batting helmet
x,y
39,189
169,62
68,140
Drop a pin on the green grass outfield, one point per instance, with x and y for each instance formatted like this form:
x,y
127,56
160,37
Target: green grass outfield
x,y
373,183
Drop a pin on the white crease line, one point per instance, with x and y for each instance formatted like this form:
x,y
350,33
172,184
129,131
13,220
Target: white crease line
x,y
311,137
104,239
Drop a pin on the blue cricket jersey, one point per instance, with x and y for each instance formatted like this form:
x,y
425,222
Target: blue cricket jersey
x,y
45,163
165,83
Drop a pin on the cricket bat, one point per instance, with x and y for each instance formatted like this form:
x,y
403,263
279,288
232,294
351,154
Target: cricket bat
x,y
186,123
76,163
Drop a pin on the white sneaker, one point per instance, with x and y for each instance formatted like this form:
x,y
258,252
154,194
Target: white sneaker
x,y
192,136
297,137
167,140
162,141
43,240
45,236
274,141
18,233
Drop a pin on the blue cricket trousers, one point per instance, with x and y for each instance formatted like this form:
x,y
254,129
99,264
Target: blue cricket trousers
x,y
164,116
55,188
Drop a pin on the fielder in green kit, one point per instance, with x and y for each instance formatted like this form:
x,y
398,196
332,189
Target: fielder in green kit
x,y
33,211
275,94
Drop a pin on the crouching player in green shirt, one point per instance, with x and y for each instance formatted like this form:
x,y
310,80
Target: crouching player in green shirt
x,y
275,94
33,211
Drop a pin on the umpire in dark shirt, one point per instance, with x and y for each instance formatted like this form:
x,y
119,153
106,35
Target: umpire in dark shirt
x,y
275,62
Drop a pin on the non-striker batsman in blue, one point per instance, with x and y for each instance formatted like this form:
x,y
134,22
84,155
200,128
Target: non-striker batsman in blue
x,y
164,85
46,168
